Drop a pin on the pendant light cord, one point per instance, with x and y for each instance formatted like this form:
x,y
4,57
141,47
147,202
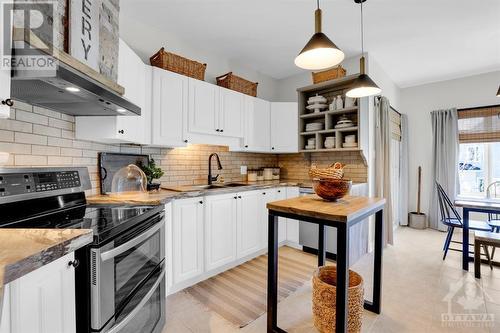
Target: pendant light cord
x,y
317,3
362,32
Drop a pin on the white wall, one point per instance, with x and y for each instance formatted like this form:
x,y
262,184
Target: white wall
x,y
417,102
217,64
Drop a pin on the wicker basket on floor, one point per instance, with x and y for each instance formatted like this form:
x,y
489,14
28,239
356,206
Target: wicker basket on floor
x,y
329,74
324,300
177,64
236,83
334,171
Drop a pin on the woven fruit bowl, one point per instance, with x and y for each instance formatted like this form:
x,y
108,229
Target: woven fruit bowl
x,y
331,189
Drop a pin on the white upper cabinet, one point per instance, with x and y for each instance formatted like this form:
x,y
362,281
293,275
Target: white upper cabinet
x,y
257,125
231,116
136,78
220,230
4,73
284,128
203,109
170,106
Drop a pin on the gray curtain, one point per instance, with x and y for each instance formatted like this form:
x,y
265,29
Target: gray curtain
x,y
444,167
383,163
403,171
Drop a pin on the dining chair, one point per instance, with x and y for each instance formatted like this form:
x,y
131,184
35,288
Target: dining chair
x,y
452,219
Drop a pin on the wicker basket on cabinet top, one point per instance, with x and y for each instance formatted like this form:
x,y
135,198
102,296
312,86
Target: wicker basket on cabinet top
x,y
175,63
236,83
329,74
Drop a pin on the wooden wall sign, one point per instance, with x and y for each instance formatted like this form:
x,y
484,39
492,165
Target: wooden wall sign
x,y
84,31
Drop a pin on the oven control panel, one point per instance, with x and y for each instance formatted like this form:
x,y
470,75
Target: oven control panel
x,y
23,183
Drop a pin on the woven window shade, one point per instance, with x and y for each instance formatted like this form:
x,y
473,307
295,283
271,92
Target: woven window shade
x,y
479,125
395,125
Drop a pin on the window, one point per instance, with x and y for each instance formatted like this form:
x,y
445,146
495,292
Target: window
x,y
479,157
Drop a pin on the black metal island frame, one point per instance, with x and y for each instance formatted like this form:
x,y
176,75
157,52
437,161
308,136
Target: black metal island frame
x,y
342,215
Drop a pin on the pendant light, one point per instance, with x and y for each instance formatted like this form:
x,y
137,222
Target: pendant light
x,y
362,86
320,52
498,92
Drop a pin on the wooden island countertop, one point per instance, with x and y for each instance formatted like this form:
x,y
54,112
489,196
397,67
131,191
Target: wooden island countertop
x,y
345,210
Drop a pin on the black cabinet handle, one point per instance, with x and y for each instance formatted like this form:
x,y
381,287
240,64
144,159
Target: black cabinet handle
x,y
217,130
272,148
236,197
185,141
264,193
121,131
201,202
279,191
239,196
246,146
74,263
222,130
8,102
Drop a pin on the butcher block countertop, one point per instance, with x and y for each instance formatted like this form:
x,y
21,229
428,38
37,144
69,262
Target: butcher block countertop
x,y
25,250
345,210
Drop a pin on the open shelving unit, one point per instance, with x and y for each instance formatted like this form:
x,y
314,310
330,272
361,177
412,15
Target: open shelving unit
x,y
328,89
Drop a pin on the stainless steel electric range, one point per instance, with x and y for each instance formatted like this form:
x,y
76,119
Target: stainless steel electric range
x,y
120,278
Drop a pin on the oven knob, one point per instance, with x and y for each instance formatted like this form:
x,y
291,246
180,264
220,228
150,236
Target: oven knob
x,y
74,263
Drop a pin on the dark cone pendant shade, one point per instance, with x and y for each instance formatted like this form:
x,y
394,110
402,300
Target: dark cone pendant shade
x,y
363,85
498,92
320,52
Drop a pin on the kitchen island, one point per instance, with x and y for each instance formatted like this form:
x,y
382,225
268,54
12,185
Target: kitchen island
x,y
341,215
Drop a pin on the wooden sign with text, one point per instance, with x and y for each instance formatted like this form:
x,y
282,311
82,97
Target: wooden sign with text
x,y
84,31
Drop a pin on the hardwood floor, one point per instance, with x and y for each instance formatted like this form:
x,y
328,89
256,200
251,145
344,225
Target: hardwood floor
x,y
418,289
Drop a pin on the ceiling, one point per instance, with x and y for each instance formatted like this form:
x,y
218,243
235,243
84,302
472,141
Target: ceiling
x,y
414,41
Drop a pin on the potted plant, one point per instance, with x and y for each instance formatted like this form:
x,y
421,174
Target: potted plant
x,y
152,172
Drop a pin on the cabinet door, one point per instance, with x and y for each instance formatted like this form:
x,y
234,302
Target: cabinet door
x,y
4,72
281,195
284,128
267,195
257,125
203,115
220,230
249,224
170,105
231,113
187,232
44,300
292,226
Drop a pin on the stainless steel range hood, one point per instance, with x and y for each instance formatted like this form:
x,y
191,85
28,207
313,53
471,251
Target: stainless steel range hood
x,y
69,91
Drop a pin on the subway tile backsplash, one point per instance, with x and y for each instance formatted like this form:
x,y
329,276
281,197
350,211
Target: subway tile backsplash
x,y
39,137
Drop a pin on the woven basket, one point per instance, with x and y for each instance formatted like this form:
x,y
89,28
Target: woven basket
x,y
175,63
334,171
324,300
329,74
236,83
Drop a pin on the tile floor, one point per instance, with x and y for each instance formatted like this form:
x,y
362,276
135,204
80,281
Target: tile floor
x,y
418,288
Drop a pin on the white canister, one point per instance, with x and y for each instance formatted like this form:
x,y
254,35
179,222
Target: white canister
x,y
350,138
349,102
330,142
339,102
333,105
268,173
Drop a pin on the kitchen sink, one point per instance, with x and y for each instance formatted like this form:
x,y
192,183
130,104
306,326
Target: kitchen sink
x,y
233,185
194,188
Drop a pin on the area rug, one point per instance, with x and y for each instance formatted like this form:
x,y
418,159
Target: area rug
x,y
240,294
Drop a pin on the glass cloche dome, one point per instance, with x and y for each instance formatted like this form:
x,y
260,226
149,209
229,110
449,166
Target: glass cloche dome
x,y
129,179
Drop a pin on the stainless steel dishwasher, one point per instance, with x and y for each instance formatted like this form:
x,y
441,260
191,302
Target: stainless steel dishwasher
x,y
308,232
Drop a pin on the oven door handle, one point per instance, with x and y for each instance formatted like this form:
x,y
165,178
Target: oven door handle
x,y
131,243
133,313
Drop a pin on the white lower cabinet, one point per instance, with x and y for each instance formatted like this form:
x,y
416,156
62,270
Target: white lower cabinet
x,y
187,239
249,225
220,230
267,195
41,301
281,195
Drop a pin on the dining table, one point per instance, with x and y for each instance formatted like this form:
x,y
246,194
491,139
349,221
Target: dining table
x,y
468,206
